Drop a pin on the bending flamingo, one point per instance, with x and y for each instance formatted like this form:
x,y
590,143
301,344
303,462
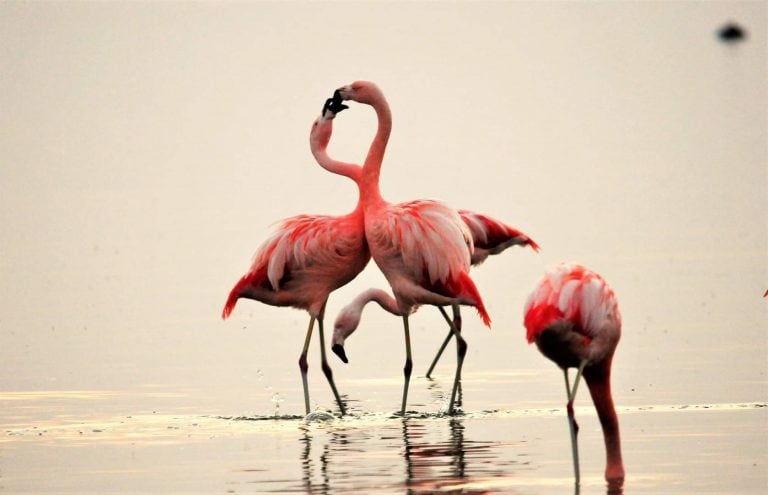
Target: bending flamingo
x,y
489,236
422,247
309,256
574,318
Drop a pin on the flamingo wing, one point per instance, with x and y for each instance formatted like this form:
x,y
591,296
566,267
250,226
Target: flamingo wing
x,y
492,235
575,294
432,242
305,241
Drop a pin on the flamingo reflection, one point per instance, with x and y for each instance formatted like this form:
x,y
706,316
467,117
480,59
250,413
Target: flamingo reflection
x,y
336,458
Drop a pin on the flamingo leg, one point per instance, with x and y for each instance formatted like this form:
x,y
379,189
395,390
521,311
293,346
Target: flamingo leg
x,y
572,424
303,366
408,363
574,429
443,345
461,352
324,363
572,393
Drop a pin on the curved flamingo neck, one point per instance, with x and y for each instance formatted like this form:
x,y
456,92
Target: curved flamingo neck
x,y
599,382
351,170
382,298
353,312
372,165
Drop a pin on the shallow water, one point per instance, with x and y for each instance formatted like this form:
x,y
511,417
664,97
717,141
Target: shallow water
x,y
674,448
146,148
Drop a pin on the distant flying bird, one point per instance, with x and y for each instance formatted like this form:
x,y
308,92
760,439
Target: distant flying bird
x,y
573,317
422,247
308,257
490,237
731,33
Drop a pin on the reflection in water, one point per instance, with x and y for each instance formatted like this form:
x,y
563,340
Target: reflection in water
x,y
344,458
615,487
308,468
431,466
340,458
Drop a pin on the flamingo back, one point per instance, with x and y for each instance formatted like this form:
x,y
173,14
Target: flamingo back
x,y
575,294
426,243
431,239
304,260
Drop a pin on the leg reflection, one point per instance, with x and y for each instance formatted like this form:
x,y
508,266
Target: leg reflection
x,y
308,466
444,465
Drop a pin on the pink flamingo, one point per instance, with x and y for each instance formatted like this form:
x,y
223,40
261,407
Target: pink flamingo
x,y
574,318
490,237
422,247
309,256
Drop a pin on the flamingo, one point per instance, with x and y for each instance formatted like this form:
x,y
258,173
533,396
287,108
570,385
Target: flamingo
x,y
422,246
573,317
309,256
490,237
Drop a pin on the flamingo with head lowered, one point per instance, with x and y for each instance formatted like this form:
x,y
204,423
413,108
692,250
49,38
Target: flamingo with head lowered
x,y
422,247
573,317
309,256
490,237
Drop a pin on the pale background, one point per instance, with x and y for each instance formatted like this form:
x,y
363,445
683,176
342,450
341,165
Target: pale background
x,y
146,148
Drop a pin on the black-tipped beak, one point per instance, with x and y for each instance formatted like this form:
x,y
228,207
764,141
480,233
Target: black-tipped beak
x,y
327,105
334,105
337,102
338,349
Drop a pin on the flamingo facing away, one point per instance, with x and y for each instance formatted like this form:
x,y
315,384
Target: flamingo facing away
x,y
308,257
489,236
573,317
422,247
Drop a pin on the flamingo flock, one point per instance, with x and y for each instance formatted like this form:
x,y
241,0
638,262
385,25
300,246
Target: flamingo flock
x,y
425,249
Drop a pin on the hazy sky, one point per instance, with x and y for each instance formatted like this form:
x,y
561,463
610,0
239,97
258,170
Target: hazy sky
x,y
147,147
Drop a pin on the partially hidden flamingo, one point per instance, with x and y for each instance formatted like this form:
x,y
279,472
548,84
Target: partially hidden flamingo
x,y
573,317
309,256
489,236
422,247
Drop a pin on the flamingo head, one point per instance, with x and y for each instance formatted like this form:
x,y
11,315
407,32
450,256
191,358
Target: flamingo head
x,y
338,349
333,105
321,131
346,323
360,91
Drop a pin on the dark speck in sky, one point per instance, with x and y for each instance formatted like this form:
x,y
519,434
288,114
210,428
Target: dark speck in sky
x,y
731,33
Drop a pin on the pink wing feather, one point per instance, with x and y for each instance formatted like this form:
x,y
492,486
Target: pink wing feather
x,y
573,293
489,233
490,236
434,245
298,244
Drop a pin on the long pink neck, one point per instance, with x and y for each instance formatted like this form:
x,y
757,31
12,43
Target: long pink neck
x,y
372,166
381,297
351,170
353,312
318,143
599,383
